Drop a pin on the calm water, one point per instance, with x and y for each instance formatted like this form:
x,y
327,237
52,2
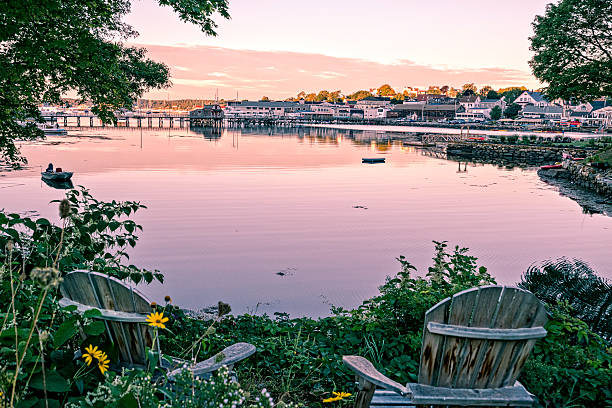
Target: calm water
x,y
226,214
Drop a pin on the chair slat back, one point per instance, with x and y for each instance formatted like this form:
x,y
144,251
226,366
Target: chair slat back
x,y
467,360
105,292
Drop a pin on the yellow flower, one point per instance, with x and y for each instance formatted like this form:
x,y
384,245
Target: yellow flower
x,y
91,353
103,362
332,399
157,320
338,396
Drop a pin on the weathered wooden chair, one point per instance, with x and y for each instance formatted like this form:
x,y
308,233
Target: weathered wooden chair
x,y
124,311
474,347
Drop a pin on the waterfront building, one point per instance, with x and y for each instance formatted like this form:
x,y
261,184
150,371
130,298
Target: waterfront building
x,y
470,101
551,113
265,109
533,98
601,117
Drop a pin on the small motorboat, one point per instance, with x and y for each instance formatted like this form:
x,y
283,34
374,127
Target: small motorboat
x,y
373,160
55,175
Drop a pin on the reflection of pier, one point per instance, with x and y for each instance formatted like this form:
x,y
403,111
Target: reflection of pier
x,y
437,152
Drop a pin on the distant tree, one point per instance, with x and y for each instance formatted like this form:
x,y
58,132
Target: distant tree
x,y
470,87
322,96
386,90
492,95
301,95
265,99
496,113
511,93
434,90
53,47
444,89
359,95
572,45
453,93
335,96
311,97
485,90
512,110
468,92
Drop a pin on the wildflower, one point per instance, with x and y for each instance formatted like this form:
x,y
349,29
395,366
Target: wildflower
x,y
48,278
153,305
64,208
223,309
156,319
10,245
44,335
91,353
332,399
103,362
338,396
167,299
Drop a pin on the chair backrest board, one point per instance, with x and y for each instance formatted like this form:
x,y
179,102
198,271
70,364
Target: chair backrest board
x,y
480,338
104,292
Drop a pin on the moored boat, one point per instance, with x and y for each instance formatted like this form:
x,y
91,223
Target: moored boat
x,y
373,160
56,175
552,166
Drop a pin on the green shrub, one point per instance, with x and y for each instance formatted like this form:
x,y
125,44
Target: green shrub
x,y
571,366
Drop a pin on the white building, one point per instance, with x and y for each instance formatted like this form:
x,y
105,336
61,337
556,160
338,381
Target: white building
x,y
266,109
532,98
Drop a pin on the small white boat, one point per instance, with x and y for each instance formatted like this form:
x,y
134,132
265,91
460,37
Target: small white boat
x,y
56,175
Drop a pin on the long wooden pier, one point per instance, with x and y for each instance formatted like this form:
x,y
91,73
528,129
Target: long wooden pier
x,y
151,121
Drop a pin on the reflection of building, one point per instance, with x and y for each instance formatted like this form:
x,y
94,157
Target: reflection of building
x,y
209,133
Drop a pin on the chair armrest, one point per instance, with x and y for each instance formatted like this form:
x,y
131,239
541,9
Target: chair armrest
x,y
228,357
365,370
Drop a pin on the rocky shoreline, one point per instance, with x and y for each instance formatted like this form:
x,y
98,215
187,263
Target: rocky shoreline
x,y
590,188
520,154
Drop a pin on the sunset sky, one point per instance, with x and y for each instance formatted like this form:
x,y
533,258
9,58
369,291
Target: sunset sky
x,y
278,48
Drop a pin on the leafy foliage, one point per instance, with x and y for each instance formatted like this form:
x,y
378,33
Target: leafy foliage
x,y
512,110
49,48
96,236
133,389
571,366
496,113
572,281
573,49
301,359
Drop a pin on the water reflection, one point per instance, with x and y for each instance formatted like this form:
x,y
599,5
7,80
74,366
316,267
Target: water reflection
x,y
226,214
60,185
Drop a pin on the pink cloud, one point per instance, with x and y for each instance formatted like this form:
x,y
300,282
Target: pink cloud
x,y
198,71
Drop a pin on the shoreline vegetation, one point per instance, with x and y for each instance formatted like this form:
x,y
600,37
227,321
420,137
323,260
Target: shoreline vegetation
x,y
298,360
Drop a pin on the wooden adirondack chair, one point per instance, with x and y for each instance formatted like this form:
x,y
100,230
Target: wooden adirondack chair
x,y
474,347
124,311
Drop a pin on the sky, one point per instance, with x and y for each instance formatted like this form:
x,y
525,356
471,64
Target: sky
x,y
278,48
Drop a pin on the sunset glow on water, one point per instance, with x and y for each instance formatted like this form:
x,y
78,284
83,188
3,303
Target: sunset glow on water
x,y
228,212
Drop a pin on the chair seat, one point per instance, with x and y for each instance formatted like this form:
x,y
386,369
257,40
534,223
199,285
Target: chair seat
x,y
516,396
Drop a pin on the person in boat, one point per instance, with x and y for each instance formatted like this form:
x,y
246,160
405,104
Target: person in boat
x,y
49,168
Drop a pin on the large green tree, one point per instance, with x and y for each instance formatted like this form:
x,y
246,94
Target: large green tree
x,y
572,43
50,48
